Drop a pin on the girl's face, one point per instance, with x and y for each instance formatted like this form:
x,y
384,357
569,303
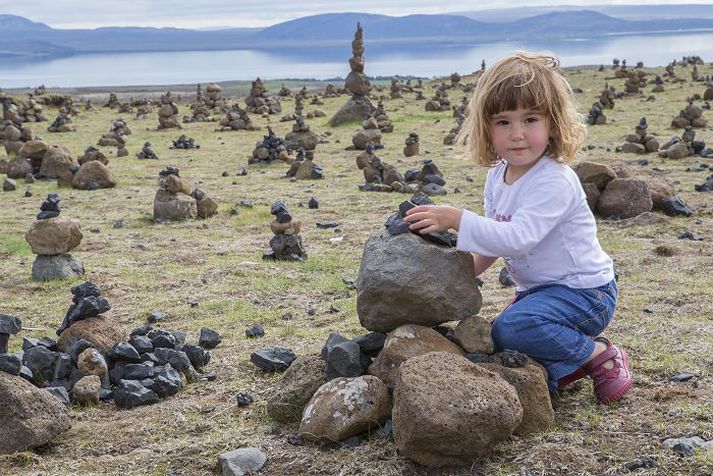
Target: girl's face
x,y
520,136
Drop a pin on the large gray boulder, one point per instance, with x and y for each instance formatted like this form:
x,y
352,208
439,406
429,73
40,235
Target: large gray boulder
x,y
405,279
30,417
449,411
49,268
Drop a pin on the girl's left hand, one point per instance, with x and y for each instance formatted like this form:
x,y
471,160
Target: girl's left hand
x,y
433,218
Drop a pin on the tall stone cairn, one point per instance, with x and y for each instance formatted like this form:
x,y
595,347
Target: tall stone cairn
x,y
357,83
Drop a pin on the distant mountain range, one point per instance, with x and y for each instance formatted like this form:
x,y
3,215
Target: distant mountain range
x,y
22,37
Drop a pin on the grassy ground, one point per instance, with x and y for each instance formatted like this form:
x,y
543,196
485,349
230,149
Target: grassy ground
x,y
144,267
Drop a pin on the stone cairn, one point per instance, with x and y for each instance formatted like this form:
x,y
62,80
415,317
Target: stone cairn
x,y
461,108
330,91
144,108
51,238
14,135
116,137
92,361
640,142
596,116
30,111
708,93
147,152
284,91
92,153
259,101
91,175
684,146
168,113
184,142
304,168
270,148
658,84
237,119
174,200
299,110
357,83
455,80
370,134
413,145
383,121
396,88
635,80
301,136
453,133
202,110
440,101
380,176
112,102
411,360
125,108
691,116
63,123
607,96
615,193
287,242
28,159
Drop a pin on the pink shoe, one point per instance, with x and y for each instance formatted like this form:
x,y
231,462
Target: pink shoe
x,y
610,384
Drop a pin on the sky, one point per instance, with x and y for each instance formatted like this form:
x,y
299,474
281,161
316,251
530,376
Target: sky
x,y
246,13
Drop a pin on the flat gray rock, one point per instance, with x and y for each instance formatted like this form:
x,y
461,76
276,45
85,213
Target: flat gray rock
x,y
242,461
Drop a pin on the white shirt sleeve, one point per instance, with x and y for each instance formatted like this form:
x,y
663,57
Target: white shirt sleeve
x,y
488,194
545,205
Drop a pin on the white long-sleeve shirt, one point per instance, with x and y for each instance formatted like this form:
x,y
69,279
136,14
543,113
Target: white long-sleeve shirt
x,y
541,225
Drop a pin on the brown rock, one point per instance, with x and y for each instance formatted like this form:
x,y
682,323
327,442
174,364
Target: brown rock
x,y
56,161
449,411
175,184
34,149
173,207
473,334
91,362
652,145
102,331
288,398
530,382
659,189
633,148
621,170
206,207
679,150
592,192
625,198
345,407
362,137
30,416
405,343
598,174
54,236
18,168
86,390
93,172
280,228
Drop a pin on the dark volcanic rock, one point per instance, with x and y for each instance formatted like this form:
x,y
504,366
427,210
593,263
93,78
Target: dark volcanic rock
x,y
124,352
209,338
198,356
130,394
273,359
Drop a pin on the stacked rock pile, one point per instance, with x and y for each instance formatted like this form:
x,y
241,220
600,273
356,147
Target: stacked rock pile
x,y
284,91
380,176
174,200
62,123
384,379
453,133
396,88
112,102
259,101
116,137
301,136
51,238
92,153
213,99
440,101
692,116
427,180
91,175
413,145
596,115
370,133
383,121
144,107
304,168
185,142
237,119
684,146
287,242
168,113
640,142
13,135
270,148
618,194
357,84
147,152
658,84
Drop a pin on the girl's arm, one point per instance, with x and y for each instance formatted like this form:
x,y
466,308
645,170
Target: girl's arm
x,y
482,263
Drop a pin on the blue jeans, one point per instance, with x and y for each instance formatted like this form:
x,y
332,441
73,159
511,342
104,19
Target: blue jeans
x,y
556,325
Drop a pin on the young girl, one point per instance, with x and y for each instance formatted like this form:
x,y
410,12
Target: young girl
x,y
524,126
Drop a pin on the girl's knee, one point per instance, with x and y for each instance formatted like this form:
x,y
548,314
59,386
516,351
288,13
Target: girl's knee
x,y
503,333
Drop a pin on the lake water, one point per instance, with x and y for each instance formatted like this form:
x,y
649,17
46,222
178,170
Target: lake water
x,y
126,69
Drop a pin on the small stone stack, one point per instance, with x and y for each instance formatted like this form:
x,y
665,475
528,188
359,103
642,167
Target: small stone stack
x,y
213,99
51,238
304,168
173,200
144,108
147,152
412,145
380,176
287,242
369,134
184,142
607,96
112,102
301,136
658,85
640,142
56,162
260,102
691,116
330,91
453,133
439,102
383,121
270,148
116,137
396,88
596,115
13,136
92,153
31,111
684,146
357,83
635,80
284,91
237,119
63,123
168,113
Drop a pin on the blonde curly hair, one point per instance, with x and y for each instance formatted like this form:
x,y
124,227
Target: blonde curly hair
x,y
530,81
